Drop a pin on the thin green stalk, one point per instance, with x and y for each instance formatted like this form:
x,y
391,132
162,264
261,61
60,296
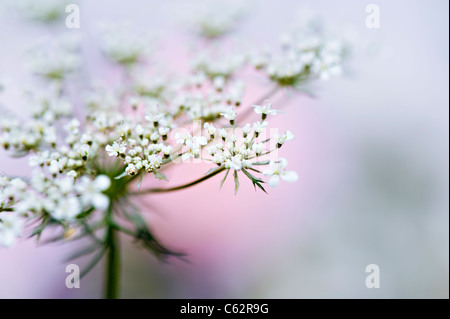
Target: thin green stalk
x,y
165,190
112,259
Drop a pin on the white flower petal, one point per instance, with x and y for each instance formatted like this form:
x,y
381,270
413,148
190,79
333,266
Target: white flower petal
x,y
100,201
102,183
186,156
283,162
201,140
289,135
289,176
274,181
7,239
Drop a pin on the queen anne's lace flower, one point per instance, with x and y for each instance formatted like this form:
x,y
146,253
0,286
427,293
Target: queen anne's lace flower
x,y
281,139
11,226
265,109
116,149
86,171
124,47
92,191
229,114
277,170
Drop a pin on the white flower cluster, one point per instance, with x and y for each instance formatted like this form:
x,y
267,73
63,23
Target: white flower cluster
x,y
62,199
214,20
243,148
143,145
89,164
39,130
44,11
55,59
124,47
203,98
154,86
305,55
218,67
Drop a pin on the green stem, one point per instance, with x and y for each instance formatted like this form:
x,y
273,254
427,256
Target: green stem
x,y
165,190
112,259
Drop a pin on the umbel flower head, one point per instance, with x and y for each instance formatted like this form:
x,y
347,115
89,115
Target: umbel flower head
x,y
87,171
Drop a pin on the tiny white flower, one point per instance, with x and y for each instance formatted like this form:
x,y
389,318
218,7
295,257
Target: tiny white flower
x,y
218,158
163,131
219,82
258,148
154,136
139,130
246,129
277,170
153,162
195,150
132,142
155,148
211,150
259,127
246,163
73,126
131,169
155,117
265,109
72,174
3,181
83,151
182,139
65,185
210,129
67,208
280,139
18,185
326,66
234,163
186,156
87,139
167,150
54,167
116,149
11,226
102,182
229,114
195,142
91,191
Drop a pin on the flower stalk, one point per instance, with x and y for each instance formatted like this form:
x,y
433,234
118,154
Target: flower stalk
x,y
112,281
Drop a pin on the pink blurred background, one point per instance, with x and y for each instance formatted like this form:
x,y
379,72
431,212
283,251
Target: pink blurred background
x,y
371,153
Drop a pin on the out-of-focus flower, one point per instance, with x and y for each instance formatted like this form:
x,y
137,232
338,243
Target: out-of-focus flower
x,y
43,11
277,170
11,226
124,47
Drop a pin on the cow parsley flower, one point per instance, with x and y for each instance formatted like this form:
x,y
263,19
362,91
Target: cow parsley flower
x,y
91,192
277,170
89,168
11,226
124,47
281,139
116,149
265,109
66,209
230,114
